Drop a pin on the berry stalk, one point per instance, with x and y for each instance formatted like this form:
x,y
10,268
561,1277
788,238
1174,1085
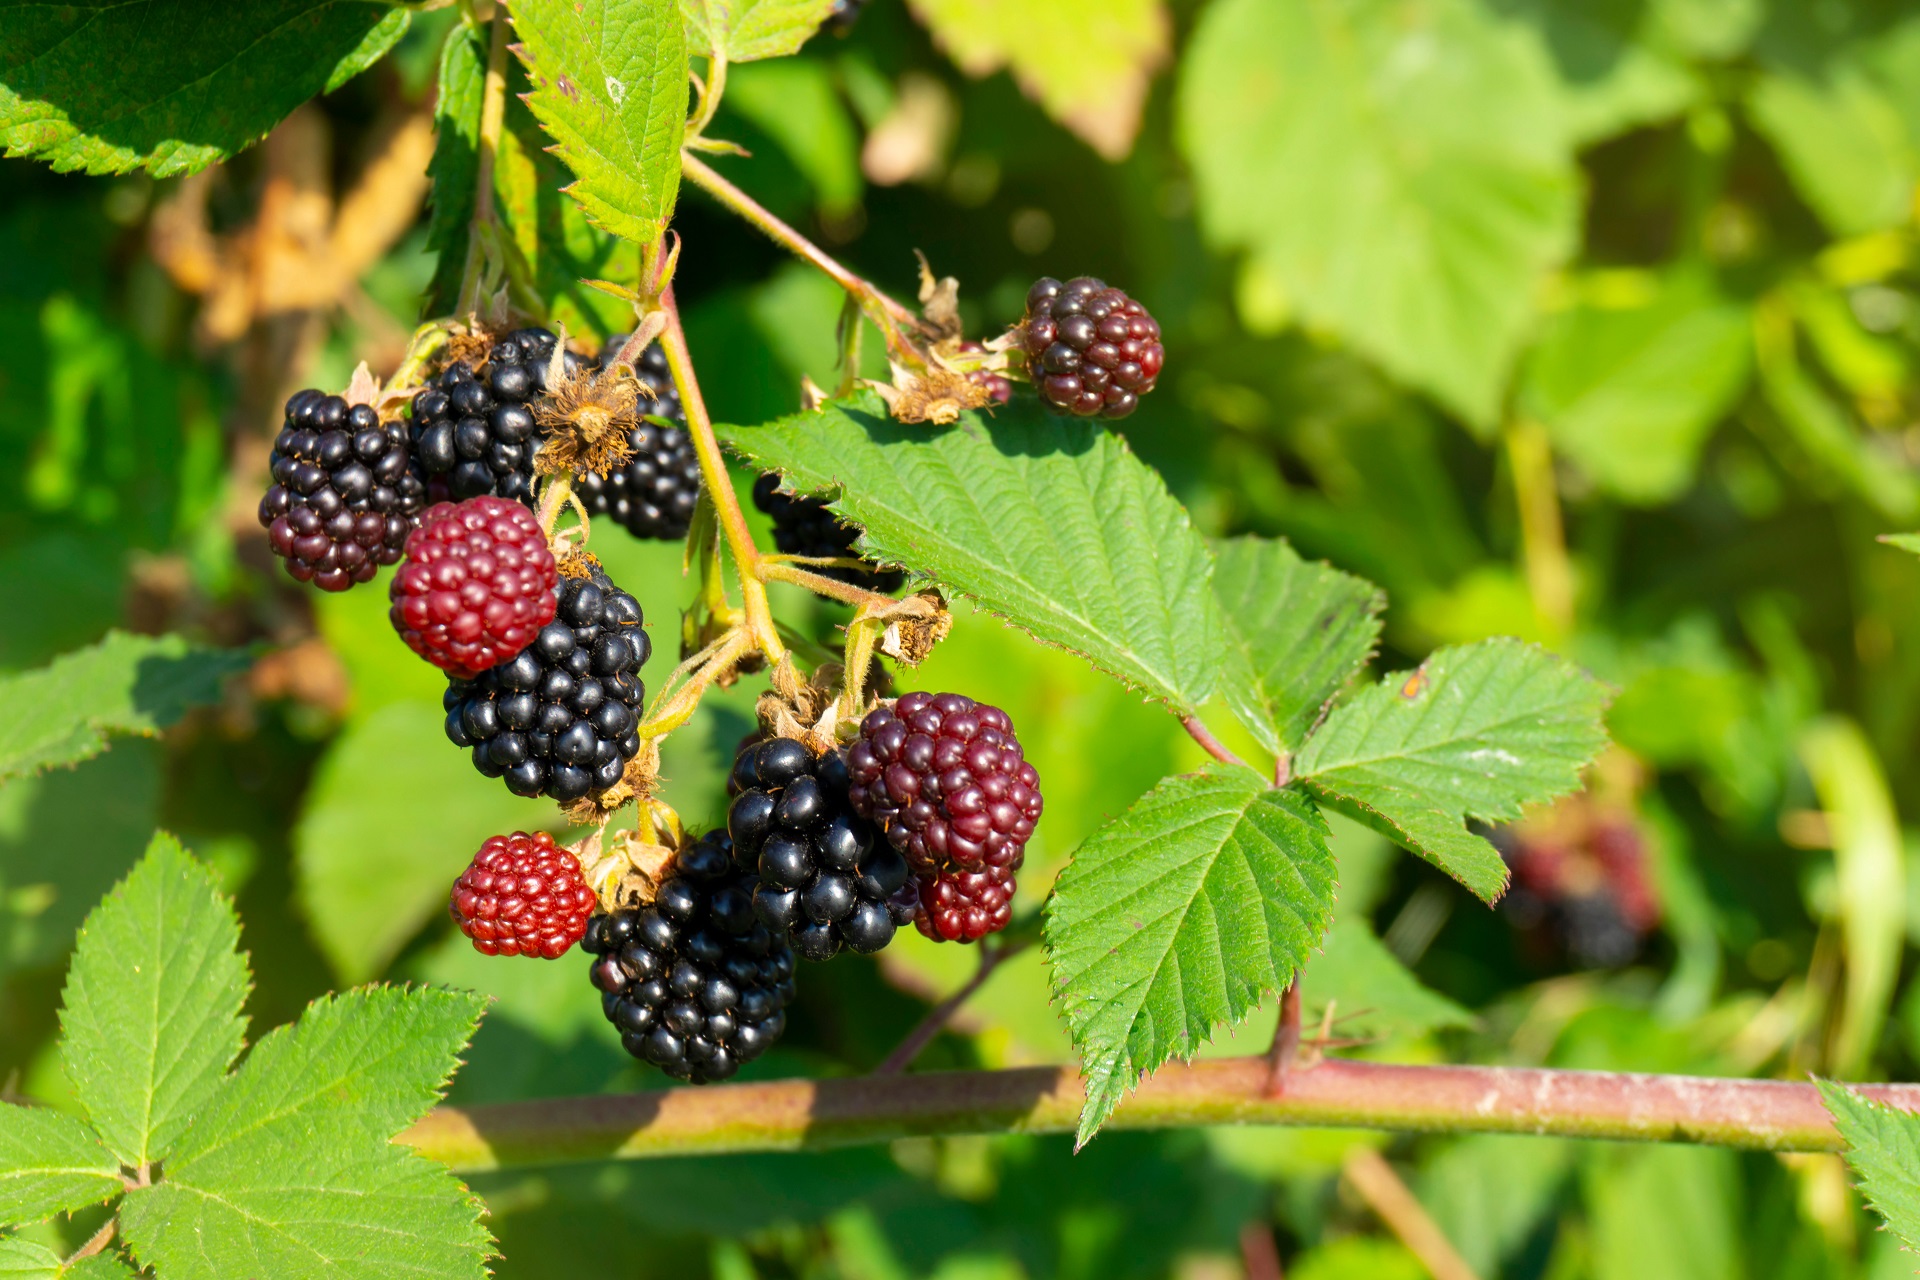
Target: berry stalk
x,y
493,119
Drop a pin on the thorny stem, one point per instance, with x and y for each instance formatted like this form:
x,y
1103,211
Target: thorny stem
x,y
707,667
1286,1040
1204,736
95,1243
493,116
877,304
713,474
791,1115
553,500
861,633
820,584
937,1018
1368,1172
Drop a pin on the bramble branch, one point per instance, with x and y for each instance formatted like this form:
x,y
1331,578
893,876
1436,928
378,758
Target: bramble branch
x,y
796,1115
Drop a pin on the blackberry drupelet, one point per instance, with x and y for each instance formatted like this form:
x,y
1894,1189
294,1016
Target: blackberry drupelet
x,y
478,584
695,983
653,493
944,777
965,906
522,895
1091,350
559,719
474,431
804,527
345,491
826,878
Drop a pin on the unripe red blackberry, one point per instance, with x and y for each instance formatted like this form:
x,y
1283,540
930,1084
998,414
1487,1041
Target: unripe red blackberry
x,y
560,718
478,584
1092,351
805,527
345,492
695,983
965,906
998,386
826,878
474,430
653,493
944,777
522,895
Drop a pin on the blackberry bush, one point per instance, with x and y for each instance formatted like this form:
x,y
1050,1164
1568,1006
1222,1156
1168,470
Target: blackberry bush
x,y
558,719
694,983
522,895
805,527
1091,350
474,430
478,584
826,878
345,493
652,495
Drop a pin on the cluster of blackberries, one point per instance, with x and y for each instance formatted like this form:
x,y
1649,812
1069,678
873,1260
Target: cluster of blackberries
x,y
653,493
826,877
1581,885
474,430
695,983
345,494
559,718
805,527
1091,350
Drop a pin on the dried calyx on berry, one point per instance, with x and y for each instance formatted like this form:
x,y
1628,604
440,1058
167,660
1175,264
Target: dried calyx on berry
x,y
805,527
345,492
522,895
474,430
826,878
478,584
694,982
560,718
652,494
1091,350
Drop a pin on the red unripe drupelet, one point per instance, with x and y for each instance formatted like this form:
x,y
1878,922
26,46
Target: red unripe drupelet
x,y
522,895
478,584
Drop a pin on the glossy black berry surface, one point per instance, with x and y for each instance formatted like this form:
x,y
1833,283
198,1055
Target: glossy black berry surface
x,y
559,718
1091,350
474,430
694,983
652,494
345,492
826,878
805,527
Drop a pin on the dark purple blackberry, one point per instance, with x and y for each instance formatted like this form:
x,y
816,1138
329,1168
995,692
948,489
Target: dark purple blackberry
x,y
474,431
695,983
653,494
805,527
345,492
826,877
558,719
1091,350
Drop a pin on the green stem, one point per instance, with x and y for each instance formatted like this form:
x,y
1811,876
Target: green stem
x,y
794,1115
1198,731
493,118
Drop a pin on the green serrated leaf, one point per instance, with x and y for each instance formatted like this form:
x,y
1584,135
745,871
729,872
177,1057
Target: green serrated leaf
x,y
1630,393
1476,732
1177,916
455,168
63,713
1401,174
291,1171
1054,525
610,86
1883,1149
1296,632
50,1163
101,1266
748,30
191,83
31,1260
151,1010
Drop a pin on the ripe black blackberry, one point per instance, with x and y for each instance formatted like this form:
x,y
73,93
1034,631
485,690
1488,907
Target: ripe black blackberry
x,y
805,527
559,718
653,493
695,983
826,878
345,492
474,431
1091,350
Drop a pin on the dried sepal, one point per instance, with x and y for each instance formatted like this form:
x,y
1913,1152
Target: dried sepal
x,y
912,626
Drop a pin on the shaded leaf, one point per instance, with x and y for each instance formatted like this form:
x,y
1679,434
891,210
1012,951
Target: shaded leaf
x,y
1477,731
1177,916
151,1010
62,713
1054,525
1086,62
610,85
1296,632
50,1163
1666,1213
746,30
1489,1191
1618,64
1371,992
189,84
455,168
1883,1150
1401,173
